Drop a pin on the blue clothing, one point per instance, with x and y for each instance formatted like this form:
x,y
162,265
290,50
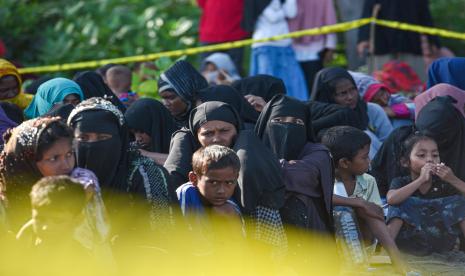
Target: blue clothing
x,y
280,62
447,70
50,93
379,127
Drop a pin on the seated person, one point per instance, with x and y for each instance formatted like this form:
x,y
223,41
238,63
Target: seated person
x,y
352,163
218,68
119,79
395,105
426,212
211,185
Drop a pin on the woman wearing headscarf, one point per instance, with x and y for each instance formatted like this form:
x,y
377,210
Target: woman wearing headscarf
x,y
54,91
229,95
447,70
259,89
177,87
102,145
336,85
10,85
285,127
218,68
439,90
43,147
260,193
152,126
277,58
92,85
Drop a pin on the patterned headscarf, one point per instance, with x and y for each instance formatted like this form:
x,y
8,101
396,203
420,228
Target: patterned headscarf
x,y
97,104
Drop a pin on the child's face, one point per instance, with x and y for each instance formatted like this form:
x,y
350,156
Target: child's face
x,y
54,224
346,93
381,97
58,159
360,163
425,151
142,139
217,186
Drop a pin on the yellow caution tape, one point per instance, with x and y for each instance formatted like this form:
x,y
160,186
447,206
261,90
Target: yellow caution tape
x,y
341,27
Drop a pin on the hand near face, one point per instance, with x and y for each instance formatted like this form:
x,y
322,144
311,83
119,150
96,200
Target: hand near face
x,y
257,102
427,171
444,173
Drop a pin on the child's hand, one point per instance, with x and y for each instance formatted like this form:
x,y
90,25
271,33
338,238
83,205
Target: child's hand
x,y
444,173
369,209
427,171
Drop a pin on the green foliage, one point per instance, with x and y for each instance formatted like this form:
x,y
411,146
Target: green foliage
x,y
51,32
450,15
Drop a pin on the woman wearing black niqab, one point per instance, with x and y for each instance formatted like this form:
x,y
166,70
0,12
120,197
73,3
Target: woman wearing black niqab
x,y
102,146
150,117
285,127
92,85
263,86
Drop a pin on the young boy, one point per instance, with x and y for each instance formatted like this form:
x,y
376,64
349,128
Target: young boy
x,y
350,147
57,209
212,183
119,79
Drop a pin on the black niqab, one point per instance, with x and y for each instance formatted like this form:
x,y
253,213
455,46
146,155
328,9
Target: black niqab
x,y
264,86
106,158
286,140
152,117
323,91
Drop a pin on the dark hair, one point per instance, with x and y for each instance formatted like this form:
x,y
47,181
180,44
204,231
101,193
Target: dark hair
x,y
344,142
58,193
102,71
410,142
54,132
214,157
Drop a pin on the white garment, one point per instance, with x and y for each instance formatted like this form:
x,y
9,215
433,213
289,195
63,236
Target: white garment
x,y
310,52
273,22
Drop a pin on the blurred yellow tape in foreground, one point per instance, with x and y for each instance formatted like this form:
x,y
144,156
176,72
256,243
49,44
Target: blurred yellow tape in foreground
x,y
337,28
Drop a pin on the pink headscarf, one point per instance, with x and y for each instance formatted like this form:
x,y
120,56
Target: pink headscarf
x,y
442,89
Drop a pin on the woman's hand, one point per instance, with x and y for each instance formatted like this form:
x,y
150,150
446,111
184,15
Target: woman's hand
x,y
257,102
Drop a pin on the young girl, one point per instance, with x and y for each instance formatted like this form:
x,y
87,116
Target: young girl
x,y
43,147
427,207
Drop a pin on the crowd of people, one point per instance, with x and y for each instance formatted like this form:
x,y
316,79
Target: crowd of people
x,y
87,163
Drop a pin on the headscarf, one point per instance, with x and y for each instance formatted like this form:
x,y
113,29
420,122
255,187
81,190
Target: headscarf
x,y
264,86
438,90
224,62
7,68
312,176
323,92
152,117
286,140
399,77
213,111
60,110
231,96
367,85
21,100
18,169
13,112
49,93
441,121
108,158
184,80
252,11
447,70
92,85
